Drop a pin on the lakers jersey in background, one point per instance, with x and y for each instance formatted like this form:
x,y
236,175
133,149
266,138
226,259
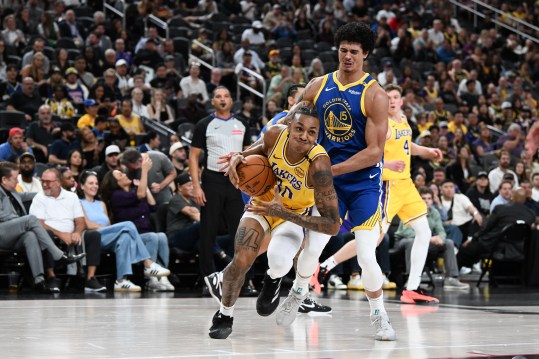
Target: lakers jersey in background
x,y
398,147
343,118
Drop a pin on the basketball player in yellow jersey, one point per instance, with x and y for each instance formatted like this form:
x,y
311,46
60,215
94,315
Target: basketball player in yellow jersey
x,y
399,197
303,172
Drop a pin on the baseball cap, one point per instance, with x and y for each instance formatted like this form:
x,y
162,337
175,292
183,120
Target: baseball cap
x,y
121,62
273,52
15,131
175,146
388,63
169,58
71,70
257,24
509,177
27,154
443,124
112,149
482,174
506,105
90,102
276,6
55,69
425,134
183,179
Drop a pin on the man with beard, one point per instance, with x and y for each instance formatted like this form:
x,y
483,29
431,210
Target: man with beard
x,y
40,134
111,162
27,167
178,155
495,176
62,146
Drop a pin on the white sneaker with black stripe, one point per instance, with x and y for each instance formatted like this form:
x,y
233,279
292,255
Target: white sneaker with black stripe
x,y
155,270
214,283
126,286
311,307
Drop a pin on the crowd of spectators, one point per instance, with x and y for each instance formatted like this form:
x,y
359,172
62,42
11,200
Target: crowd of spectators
x,y
86,85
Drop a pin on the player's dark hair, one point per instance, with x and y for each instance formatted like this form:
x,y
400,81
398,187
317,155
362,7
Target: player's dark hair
x,y
294,89
356,32
305,110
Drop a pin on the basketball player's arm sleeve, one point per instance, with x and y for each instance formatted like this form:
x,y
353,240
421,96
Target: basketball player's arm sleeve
x,y
375,136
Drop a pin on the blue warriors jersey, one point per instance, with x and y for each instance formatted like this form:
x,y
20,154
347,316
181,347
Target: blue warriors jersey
x,y
272,122
343,119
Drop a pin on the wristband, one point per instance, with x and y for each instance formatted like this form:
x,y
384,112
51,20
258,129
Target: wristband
x,y
475,213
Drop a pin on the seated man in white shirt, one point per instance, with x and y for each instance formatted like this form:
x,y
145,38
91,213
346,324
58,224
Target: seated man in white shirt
x,y
193,83
60,212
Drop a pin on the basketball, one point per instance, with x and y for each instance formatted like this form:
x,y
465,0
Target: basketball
x,y
255,175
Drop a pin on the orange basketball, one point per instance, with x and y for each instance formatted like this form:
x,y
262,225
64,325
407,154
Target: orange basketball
x,y
255,176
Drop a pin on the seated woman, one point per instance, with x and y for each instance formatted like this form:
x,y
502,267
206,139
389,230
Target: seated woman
x,y
134,205
122,238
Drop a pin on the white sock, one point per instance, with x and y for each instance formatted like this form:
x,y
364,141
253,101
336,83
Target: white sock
x,y
301,285
228,311
329,263
377,305
420,250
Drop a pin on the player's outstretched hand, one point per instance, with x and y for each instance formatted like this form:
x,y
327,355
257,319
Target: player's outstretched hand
x,y
233,164
274,208
436,154
225,159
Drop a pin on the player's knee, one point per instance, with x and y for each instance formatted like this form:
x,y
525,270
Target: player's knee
x,y
279,265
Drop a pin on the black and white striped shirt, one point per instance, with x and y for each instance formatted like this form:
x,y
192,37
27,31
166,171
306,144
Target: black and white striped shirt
x,y
219,136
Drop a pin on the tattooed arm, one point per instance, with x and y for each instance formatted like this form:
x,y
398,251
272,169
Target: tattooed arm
x,y
325,198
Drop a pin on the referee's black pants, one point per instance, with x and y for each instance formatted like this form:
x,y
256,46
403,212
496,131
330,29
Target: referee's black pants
x,y
223,201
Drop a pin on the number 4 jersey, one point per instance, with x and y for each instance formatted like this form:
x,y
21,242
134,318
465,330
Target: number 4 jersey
x,y
398,147
297,194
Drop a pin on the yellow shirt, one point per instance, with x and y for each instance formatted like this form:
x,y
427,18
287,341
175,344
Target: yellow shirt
x,y
452,128
133,126
86,121
297,194
398,147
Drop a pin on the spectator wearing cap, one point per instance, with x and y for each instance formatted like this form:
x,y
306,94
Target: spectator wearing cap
x,y
27,180
513,141
274,64
40,134
14,146
504,194
255,34
245,46
27,101
87,78
122,68
507,116
193,84
383,75
496,175
112,154
480,194
76,91
88,119
178,155
273,17
61,147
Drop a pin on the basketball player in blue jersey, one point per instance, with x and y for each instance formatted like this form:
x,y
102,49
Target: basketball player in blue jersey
x,y
303,172
400,197
292,95
353,112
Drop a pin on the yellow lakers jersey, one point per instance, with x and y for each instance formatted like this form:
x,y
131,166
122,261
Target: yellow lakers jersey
x,y
297,194
398,148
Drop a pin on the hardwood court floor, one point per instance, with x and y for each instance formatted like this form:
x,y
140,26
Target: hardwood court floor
x,y
480,323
